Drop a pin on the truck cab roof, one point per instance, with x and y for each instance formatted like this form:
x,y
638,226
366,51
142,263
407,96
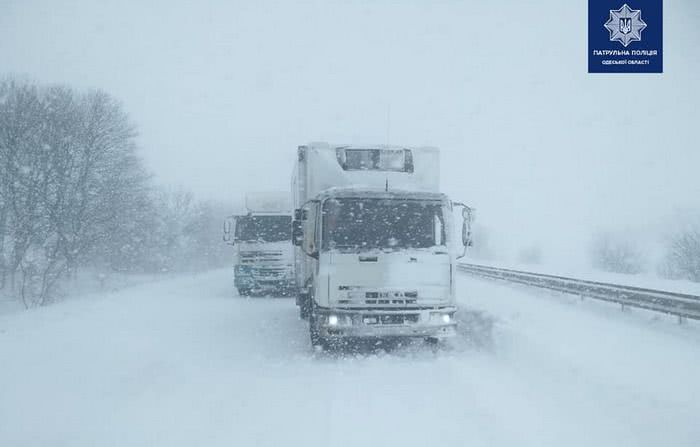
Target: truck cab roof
x,y
375,193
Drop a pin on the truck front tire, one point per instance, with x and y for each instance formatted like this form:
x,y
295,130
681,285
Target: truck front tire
x,y
304,306
317,340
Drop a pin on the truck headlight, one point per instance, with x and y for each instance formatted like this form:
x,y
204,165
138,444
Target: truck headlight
x,y
442,317
332,320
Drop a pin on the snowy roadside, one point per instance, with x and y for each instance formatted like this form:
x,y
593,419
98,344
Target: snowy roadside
x,y
88,283
622,378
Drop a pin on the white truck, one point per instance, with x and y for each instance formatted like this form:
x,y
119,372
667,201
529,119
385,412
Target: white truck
x,y
262,239
375,244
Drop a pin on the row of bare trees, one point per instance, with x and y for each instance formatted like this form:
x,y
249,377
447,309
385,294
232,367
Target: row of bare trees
x,y
679,258
676,255
73,192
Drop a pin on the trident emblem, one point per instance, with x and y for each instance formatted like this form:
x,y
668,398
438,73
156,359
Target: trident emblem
x,y
625,25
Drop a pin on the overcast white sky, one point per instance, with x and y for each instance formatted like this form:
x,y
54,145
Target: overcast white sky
x,y
224,91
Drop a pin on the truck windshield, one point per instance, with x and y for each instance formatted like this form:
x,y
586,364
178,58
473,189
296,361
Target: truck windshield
x,y
354,225
263,228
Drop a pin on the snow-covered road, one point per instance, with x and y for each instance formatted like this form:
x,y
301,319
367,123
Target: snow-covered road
x,y
185,362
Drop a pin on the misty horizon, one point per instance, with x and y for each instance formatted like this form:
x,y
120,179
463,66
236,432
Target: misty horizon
x,y
222,94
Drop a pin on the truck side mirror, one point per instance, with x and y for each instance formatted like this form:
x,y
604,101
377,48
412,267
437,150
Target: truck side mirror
x,y
297,233
230,230
466,235
227,232
467,219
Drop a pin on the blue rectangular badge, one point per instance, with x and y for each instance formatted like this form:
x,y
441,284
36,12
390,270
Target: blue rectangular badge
x,y
625,36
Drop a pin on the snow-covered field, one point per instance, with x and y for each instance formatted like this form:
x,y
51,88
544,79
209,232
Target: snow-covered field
x,y
185,362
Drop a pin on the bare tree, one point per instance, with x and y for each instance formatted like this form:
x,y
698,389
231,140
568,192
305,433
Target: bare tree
x,y
683,257
617,253
23,160
98,178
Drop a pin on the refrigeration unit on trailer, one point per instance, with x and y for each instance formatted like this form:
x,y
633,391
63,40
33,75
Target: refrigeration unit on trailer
x,y
375,246
262,240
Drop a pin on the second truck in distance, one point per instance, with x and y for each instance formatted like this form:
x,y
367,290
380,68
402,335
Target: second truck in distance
x,y
263,252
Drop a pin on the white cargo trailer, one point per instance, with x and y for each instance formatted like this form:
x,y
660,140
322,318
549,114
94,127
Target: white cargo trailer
x,y
262,240
375,244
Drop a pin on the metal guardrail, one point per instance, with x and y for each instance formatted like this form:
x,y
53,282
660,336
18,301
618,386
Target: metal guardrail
x,y
679,304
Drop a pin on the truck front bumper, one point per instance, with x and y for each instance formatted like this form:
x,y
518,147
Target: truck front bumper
x,y
247,278
371,323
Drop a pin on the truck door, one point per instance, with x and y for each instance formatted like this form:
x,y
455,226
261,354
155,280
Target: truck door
x,y
311,244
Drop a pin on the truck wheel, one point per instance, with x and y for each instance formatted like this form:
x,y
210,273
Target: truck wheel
x,y
304,306
433,343
316,339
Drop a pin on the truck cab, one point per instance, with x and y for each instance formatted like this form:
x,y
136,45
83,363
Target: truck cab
x,y
263,251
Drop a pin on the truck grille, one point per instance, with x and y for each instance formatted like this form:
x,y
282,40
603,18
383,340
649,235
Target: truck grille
x,y
385,297
356,297
261,257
